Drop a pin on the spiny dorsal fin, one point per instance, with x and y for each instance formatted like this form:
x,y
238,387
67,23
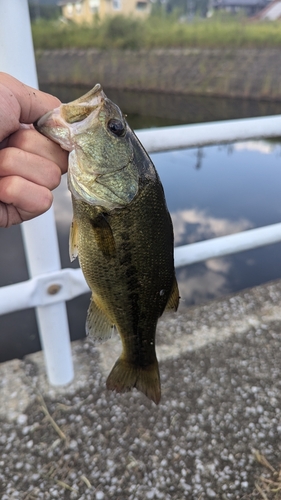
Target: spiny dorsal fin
x,y
73,240
173,301
103,235
97,324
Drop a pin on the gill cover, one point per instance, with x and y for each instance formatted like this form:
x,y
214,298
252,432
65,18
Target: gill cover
x,y
101,168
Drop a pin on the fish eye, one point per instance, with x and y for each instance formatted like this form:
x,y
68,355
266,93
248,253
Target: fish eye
x,y
116,127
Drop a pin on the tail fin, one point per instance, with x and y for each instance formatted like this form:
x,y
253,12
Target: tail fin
x,y
124,376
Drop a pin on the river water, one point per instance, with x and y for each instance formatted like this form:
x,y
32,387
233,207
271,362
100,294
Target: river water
x,y
211,191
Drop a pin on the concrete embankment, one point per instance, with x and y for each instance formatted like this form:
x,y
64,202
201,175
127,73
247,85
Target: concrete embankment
x,y
221,400
246,73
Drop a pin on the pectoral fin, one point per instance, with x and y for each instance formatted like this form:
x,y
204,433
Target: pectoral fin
x,y
103,235
97,324
73,240
173,301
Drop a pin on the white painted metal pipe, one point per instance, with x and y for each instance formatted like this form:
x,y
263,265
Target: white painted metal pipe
x,y
42,254
16,54
69,283
43,290
187,136
40,238
227,245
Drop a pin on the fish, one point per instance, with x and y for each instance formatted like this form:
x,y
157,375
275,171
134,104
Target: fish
x,y
121,232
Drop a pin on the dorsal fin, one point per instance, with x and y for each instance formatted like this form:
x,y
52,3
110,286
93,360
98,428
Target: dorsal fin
x,y
173,300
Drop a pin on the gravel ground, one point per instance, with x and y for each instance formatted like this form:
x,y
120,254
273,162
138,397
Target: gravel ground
x,y
218,421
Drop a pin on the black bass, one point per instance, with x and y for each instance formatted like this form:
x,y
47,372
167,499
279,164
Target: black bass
x,y
121,231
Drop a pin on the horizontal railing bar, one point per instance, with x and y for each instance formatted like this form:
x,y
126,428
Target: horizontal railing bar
x,y
187,136
43,290
66,284
227,245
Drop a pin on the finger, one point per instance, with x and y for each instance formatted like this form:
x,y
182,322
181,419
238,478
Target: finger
x,y
4,215
33,142
34,168
9,215
24,200
32,102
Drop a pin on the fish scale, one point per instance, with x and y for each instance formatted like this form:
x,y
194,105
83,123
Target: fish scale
x,y
139,271
121,231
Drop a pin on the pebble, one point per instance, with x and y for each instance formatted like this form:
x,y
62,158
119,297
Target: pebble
x,y
22,419
211,493
219,401
99,495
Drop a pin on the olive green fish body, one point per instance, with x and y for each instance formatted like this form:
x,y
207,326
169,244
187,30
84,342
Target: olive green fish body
x,y
130,271
123,235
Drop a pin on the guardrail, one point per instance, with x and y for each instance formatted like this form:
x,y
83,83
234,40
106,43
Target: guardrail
x,y
50,286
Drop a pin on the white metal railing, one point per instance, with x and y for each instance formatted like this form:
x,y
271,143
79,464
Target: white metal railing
x,y
65,284
50,286
39,235
204,134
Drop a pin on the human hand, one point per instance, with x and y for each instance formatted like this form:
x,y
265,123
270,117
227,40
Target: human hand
x,y
30,164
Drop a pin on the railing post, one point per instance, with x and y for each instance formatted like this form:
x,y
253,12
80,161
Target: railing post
x,y
39,235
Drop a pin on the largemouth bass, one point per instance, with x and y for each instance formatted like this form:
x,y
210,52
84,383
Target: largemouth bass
x,y
121,231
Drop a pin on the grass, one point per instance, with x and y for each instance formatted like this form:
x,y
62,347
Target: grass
x,y
268,484
158,32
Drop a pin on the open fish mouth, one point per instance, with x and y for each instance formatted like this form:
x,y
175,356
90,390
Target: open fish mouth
x,y
63,123
53,126
101,161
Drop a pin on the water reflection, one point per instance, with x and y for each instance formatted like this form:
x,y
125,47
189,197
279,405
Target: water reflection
x,y
236,188
195,225
150,109
264,147
200,282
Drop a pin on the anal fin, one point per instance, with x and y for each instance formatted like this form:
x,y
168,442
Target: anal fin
x,y
98,325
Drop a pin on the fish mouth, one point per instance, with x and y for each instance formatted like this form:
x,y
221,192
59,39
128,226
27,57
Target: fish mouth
x,y
91,99
53,126
63,123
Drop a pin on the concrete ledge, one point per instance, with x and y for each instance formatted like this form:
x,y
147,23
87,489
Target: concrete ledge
x,y
244,73
217,321
220,370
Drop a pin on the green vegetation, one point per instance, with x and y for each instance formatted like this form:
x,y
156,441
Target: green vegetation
x,y
43,11
158,32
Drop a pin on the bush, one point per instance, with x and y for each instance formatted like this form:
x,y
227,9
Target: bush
x,y
157,32
122,32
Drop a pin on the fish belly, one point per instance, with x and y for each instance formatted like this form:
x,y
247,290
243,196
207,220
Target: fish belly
x,y
127,259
